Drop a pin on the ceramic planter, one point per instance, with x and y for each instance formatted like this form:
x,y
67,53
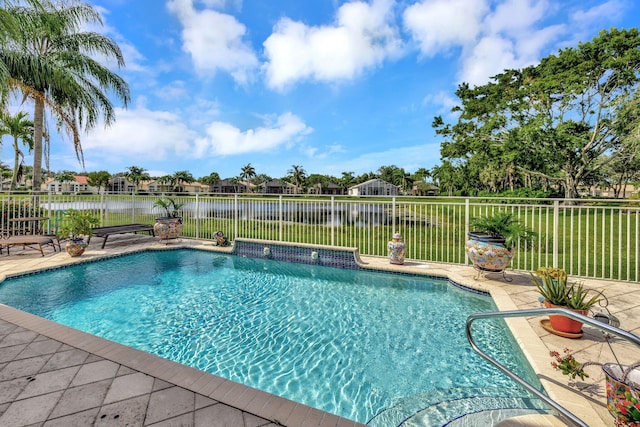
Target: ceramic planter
x,y
75,247
396,248
563,323
168,227
488,253
622,381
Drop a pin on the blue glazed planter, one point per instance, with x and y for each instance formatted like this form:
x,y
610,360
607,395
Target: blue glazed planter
x,y
488,253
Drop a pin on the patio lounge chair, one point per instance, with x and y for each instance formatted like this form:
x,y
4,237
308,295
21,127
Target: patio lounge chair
x,y
33,242
105,232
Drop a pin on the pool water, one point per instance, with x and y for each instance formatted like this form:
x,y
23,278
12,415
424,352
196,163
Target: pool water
x,y
353,343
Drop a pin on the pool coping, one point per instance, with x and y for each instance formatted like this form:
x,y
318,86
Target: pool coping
x,y
273,407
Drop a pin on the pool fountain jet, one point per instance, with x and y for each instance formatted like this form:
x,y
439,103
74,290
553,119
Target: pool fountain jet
x,y
315,257
266,252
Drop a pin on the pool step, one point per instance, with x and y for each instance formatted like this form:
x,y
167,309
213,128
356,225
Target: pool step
x,y
471,407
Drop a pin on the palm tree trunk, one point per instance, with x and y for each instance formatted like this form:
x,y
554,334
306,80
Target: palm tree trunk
x,y
38,126
16,164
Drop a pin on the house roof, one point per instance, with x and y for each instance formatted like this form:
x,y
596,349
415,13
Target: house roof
x,y
81,179
371,181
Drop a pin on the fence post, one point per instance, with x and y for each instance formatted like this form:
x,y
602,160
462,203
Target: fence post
x,y
466,227
556,231
393,215
133,208
235,216
280,216
106,209
197,218
333,213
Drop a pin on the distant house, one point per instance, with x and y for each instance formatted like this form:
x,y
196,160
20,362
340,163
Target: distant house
x,y
120,184
228,186
421,188
330,188
79,183
277,186
194,187
624,192
373,187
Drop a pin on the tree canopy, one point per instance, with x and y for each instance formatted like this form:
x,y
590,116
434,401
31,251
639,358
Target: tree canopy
x,y
548,124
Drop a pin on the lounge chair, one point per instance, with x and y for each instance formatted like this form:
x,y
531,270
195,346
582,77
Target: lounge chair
x,y
32,242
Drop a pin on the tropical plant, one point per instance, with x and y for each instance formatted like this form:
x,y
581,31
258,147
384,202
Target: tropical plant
x,y
170,206
76,223
554,286
210,179
581,299
136,175
298,175
181,177
54,63
248,172
20,128
504,225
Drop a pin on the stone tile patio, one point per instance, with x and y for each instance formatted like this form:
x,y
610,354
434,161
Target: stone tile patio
x,y
51,375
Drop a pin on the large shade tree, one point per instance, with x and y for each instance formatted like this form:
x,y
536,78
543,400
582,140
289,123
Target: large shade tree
x,y
52,61
551,122
99,179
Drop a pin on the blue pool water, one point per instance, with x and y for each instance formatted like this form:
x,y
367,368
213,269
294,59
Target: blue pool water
x,y
362,345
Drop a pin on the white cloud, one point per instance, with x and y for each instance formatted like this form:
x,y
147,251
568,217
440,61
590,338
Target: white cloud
x,y
225,139
444,100
489,57
215,41
141,135
361,37
493,36
438,25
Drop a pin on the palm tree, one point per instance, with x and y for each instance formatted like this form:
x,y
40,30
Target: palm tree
x,y
248,172
51,61
298,174
136,174
210,179
168,180
347,180
181,177
20,128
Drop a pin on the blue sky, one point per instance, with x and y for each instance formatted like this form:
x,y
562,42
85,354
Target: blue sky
x,y
332,86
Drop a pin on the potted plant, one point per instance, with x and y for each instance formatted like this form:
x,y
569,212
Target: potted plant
x,y
491,245
75,226
622,385
556,291
168,226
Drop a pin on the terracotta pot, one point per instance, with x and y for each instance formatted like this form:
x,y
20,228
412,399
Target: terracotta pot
x,y
563,323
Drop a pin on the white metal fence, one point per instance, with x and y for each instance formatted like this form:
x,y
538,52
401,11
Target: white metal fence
x,y
589,238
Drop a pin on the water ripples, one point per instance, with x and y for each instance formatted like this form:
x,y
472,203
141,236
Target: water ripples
x,y
351,343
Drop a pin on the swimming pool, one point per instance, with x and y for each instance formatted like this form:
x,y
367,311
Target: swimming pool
x,y
367,346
